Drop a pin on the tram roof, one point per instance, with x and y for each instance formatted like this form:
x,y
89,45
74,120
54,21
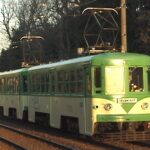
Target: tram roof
x,y
121,58
63,62
132,57
12,71
105,57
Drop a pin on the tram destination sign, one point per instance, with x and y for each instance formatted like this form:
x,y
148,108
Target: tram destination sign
x,y
126,100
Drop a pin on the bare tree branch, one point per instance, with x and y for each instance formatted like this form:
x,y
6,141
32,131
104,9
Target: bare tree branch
x,y
8,13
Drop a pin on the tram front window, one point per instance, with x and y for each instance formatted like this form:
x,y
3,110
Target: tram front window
x,y
114,80
135,79
97,80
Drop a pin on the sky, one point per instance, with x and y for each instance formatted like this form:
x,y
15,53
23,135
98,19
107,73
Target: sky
x,y
3,39
3,42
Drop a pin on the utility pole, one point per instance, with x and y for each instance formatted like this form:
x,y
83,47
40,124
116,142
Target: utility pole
x,y
123,27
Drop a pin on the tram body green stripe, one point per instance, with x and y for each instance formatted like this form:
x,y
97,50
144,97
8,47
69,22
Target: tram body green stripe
x,y
123,118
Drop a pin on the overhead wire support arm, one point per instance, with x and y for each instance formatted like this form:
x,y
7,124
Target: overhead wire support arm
x,y
94,9
32,50
100,25
31,37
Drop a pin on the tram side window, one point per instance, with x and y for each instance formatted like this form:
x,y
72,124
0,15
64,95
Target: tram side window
x,y
24,84
136,79
53,83
66,88
80,79
9,85
60,81
38,83
16,84
44,82
97,79
1,85
148,79
33,84
72,81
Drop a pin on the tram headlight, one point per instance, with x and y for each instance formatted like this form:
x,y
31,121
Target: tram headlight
x,y
108,107
144,106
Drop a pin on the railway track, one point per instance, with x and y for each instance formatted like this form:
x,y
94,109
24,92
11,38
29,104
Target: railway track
x,y
28,138
144,144
136,145
12,144
66,141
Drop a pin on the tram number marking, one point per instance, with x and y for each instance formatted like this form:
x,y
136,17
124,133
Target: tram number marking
x,y
126,100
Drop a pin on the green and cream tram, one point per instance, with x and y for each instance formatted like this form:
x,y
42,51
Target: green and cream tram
x,y
104,93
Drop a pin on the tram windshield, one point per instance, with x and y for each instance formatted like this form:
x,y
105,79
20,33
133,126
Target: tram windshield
x,y
135,79
114,80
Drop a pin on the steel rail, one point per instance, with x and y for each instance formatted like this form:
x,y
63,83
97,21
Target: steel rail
x,y
9,142
50,142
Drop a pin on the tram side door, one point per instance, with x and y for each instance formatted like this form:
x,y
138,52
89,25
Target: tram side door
x,y
87,100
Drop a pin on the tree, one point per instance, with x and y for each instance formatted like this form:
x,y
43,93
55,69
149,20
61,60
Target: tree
x,y
68,28
33,17
138,26
61,24
8,10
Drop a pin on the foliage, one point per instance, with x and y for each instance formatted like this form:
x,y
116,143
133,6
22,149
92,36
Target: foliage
x,y
61,25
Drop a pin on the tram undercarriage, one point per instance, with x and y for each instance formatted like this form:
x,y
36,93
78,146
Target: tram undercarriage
x,y
123,131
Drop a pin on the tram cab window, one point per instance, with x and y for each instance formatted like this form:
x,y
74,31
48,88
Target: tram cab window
x,y
88,84
97,79
148,79
135,79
